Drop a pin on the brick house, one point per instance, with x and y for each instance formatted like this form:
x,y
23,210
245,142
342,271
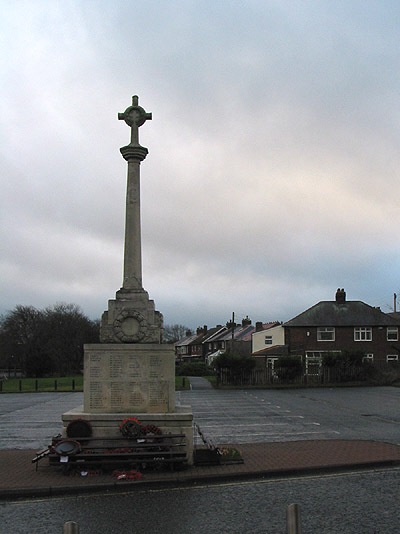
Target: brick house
x,y
198,346
342,325
183,347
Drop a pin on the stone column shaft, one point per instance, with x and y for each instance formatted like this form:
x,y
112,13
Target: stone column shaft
x,y
132,278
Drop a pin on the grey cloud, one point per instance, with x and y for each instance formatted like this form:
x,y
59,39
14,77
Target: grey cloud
x,y
272,172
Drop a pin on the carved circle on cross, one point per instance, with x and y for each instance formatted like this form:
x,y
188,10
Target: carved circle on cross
x,y
130,326
134,115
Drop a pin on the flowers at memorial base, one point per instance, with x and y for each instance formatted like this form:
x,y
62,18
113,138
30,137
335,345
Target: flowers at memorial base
x,y
152,429
79,428
131,427
230,454
127,475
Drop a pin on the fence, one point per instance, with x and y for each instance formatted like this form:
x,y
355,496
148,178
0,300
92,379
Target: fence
x,y
366,373
31,385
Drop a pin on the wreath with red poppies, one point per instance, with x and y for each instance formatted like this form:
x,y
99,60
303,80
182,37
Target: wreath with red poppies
x,y
131,427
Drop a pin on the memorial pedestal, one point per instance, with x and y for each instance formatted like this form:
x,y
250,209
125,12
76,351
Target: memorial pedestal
x,y
131,380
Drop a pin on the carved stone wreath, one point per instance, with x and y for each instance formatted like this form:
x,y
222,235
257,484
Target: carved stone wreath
x,y
130,326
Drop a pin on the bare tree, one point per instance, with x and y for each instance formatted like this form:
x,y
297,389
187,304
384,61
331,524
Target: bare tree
x,y
175,332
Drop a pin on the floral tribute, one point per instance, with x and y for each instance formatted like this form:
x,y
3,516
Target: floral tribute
x,y
127,475
79,428
230,454
131,427
152,429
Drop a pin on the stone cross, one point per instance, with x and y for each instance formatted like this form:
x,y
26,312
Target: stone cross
x,y
131,317
135,116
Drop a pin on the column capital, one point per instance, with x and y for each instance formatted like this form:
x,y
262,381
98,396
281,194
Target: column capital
x,y
134,152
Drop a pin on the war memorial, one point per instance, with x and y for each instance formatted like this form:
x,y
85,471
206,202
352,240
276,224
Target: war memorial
x,y
129,377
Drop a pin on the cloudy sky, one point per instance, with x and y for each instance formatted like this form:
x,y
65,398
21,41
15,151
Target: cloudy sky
x,y
273,174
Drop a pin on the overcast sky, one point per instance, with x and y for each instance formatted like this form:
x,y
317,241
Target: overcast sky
x,y
274,153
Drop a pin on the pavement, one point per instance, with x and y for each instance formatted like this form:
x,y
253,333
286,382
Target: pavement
x,y
23,479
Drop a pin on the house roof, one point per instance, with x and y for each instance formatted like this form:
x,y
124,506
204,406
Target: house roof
x,y
395,315
206,335
239,332
348,313
267,326
275,350
186,340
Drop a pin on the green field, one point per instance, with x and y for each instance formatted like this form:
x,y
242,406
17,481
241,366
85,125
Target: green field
x,y
64,383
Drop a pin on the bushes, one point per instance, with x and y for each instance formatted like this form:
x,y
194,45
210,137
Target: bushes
x,y
346,366
383,375
288,368
235,362
193,369
343,359
237,367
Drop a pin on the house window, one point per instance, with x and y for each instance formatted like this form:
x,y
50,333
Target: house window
x,y
392,357
368,358
326,333
392,333
268,340
363,333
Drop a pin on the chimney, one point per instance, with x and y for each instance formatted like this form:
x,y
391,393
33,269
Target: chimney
x,y
259,326
246,321
340,296
201,331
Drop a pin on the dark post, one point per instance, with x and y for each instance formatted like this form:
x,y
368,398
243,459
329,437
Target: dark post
x,y
70,527
293,519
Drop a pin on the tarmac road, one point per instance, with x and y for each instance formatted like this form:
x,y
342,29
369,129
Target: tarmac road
x,y
351,503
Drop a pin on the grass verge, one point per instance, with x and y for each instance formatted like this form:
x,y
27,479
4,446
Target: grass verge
x,y
64,383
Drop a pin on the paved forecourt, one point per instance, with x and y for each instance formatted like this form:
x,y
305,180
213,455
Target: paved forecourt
x,y
28,421
266,415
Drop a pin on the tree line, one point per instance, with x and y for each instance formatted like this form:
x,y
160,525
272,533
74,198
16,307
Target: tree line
x,y
49,342
46,342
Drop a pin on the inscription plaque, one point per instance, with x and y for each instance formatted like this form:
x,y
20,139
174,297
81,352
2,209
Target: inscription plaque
x,y
129,378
